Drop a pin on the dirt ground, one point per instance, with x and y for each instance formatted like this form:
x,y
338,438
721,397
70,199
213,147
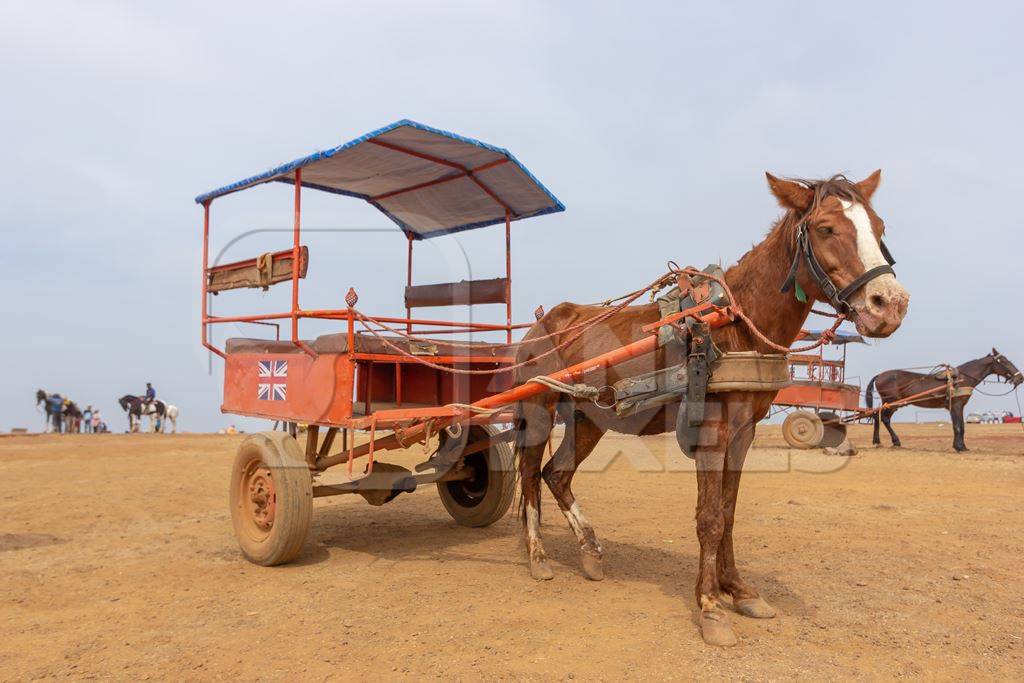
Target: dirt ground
x,y
117,559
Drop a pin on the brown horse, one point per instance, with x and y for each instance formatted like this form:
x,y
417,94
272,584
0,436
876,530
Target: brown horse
x,y
830,239
894,385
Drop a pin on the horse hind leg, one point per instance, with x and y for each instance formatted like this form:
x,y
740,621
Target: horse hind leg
x,y
887,419
531,439
581,436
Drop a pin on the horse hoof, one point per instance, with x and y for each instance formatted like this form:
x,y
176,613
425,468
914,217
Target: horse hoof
x,y
754,607
716,629
592,568
540,570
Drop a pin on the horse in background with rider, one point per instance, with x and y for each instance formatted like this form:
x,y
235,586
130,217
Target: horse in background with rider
x,y
158,412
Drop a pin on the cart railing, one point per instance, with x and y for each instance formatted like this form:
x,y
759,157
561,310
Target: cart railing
x,y
296,313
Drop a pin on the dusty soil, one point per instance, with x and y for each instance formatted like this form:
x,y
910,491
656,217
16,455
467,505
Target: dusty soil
x,y
117,559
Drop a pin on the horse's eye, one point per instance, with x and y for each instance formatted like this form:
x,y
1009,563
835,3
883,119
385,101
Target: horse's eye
x,y
825,230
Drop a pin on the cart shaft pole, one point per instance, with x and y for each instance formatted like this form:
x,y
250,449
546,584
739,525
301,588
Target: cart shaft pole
x,y
402,438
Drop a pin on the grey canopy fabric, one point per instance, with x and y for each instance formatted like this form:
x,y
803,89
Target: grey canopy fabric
x,y
428,181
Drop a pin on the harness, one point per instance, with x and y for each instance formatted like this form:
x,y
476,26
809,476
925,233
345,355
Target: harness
x,y
693,379
704,369
839,298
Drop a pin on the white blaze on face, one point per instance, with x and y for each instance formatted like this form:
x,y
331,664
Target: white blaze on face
x,y
868,250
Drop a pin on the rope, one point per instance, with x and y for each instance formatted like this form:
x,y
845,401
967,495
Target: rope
x,y
580,329
575,390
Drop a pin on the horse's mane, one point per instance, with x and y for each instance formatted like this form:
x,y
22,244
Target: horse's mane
x,y
836,186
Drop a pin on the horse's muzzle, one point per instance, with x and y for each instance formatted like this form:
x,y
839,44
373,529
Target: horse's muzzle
x,y
880,307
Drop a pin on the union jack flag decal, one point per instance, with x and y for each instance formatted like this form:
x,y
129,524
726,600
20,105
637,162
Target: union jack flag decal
x,y
273,376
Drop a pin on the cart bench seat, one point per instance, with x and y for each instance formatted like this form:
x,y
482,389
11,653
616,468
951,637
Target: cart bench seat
x,y
370,344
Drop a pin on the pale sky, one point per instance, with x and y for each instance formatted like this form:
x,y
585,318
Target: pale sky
x,y
653,123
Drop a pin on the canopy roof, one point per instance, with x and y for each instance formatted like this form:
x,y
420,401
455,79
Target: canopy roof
x,y
839,339
428,181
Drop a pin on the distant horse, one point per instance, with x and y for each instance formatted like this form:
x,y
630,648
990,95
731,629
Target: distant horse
x,y
54,417
136,407
72,417
893,385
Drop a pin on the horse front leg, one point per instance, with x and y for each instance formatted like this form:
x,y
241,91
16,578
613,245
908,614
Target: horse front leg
x,y
715,625
956,412
745,599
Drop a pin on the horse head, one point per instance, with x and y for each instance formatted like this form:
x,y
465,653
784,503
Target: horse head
x,y
126,401
1002,366
838,254
40,397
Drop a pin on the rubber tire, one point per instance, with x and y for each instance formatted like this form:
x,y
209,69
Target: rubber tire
x,y
834,433
293,493
803,429
500,488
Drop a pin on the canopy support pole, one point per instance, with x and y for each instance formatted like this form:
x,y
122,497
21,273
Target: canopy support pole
x,y
206,293
295,269
408,282
508,276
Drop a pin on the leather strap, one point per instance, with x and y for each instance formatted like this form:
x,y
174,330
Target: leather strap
x,y
838,298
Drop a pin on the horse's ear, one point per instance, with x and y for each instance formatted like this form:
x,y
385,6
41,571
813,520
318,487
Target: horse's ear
x,y
994,352
791,195
868,186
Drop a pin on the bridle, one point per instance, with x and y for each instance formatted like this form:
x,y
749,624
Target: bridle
x,y
839,298
1015,376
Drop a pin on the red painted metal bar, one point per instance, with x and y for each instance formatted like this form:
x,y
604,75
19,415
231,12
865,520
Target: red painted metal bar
x,y
343,314
439,181
490,192
445,162
508,276
295,270
421,155
206,294
401,438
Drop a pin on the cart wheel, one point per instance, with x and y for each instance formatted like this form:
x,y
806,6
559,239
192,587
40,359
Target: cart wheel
x,y
271,498
485,498
803,429
834,430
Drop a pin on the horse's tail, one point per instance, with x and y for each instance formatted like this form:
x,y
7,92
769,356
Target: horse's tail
x,y
869,393
519,425
869,401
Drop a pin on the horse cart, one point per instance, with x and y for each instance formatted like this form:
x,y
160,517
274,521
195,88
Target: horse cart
x,y
394,381
823,401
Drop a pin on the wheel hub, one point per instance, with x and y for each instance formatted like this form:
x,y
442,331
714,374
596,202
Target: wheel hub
x,y
262,500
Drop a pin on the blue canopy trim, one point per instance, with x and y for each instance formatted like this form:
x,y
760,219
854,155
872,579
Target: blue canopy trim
x,y
428,181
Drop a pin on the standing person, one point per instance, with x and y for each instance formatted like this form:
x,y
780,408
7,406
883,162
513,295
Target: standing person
x,y
87,420
57,411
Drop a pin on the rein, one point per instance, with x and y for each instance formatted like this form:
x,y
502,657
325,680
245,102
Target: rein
x,y
839,298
